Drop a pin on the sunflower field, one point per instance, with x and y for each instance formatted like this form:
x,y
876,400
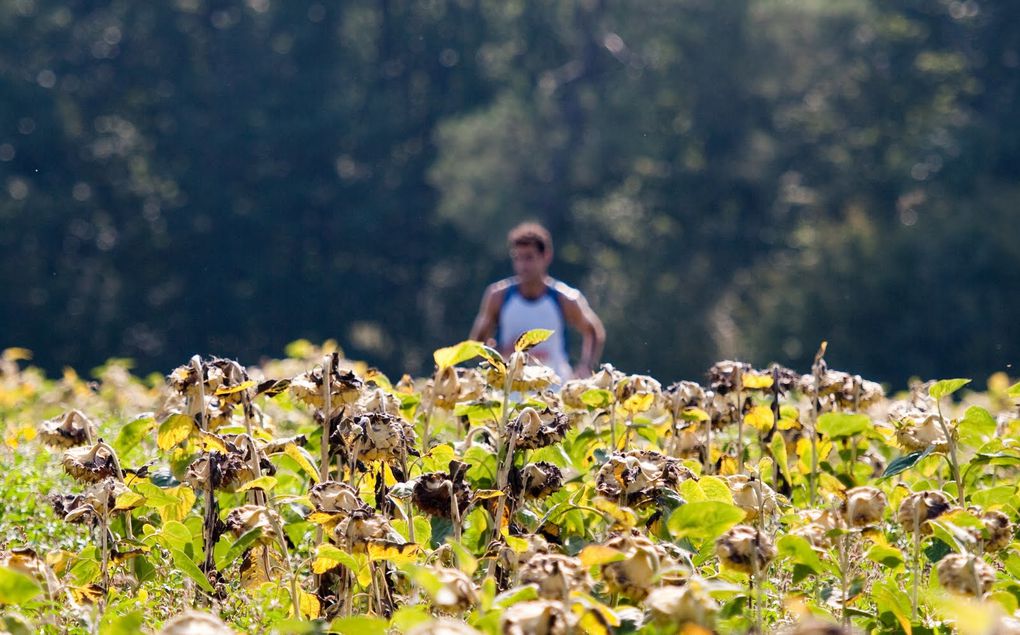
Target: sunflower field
x,y
313,494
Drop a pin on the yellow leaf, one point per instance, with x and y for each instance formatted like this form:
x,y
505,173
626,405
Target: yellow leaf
x,y
309,604
392,552
622,515
453,355
760,418
263,482
229,390
754,381
600,554
300,456
639,402
128,500
175,429
518,545
485,494
694,414
728,466
534,337
329,557
322,518
591,622
211,442
788,424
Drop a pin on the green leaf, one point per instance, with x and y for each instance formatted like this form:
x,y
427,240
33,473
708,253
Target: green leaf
x,y
778,447
132,433
303,459
838,425
703,520
175,535
127,624
328,557
976,427
532,338
359,625
905,462
190,569
885,555
993,496
1014,390
597,398
407,617
468,349
239,547
890,598
946,387
175,429
799,551
16,587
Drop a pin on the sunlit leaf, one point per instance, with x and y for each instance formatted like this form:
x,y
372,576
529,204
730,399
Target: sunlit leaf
x,y
266,483
329,557
597,398
1014,390
128,500
905,462
760,418
392,552
839,425
531,338
639,402
946,387
303,459
599,554
703,520
230,390
310,607
175,429
799,551
359,625
754,381
976,427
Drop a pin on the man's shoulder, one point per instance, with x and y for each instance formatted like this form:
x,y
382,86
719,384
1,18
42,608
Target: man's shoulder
x,y
497,290
565,291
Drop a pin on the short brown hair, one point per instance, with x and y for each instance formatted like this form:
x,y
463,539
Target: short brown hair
x,y
530,234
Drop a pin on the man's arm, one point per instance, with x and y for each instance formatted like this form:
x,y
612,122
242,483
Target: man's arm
x,y
488,314
581,316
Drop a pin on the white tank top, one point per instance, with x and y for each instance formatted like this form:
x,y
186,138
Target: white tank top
x,y
519,315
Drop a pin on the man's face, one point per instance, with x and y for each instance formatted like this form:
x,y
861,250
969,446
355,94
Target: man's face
x,y
529,263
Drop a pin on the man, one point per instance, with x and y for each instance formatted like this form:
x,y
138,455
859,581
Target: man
x,y
532,300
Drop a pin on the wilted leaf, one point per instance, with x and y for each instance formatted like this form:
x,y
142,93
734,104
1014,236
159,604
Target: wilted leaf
x,y
303,459
229,390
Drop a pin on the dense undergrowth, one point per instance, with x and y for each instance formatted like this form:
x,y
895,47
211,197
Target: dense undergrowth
x,y
491,498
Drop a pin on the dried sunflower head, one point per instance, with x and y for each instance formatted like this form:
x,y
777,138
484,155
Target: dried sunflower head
x,y
527,372
68,430
247,518
533,429
375,437
540,479
102,496
863,506
196,623
752,495
331,497
344,387
64,504
606,378
678,605
378,400
457,593
361,528
573,390
454,385
536,617
998,530
920,507
966,575
555,575
685,394
637,476
916,429
90,464
745,549
817,524
434,493
638,386
227,472
633,576
724,376
815,626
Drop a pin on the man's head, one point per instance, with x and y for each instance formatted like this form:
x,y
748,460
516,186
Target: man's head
x,y
530,250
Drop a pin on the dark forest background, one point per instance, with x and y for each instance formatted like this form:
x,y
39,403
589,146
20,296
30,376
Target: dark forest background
x,y
722,178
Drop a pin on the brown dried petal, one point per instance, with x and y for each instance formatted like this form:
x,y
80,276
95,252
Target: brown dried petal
x,y
90,464
745,549
540,479
332,497
431,494
555,575
920,507
863,506
966,575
